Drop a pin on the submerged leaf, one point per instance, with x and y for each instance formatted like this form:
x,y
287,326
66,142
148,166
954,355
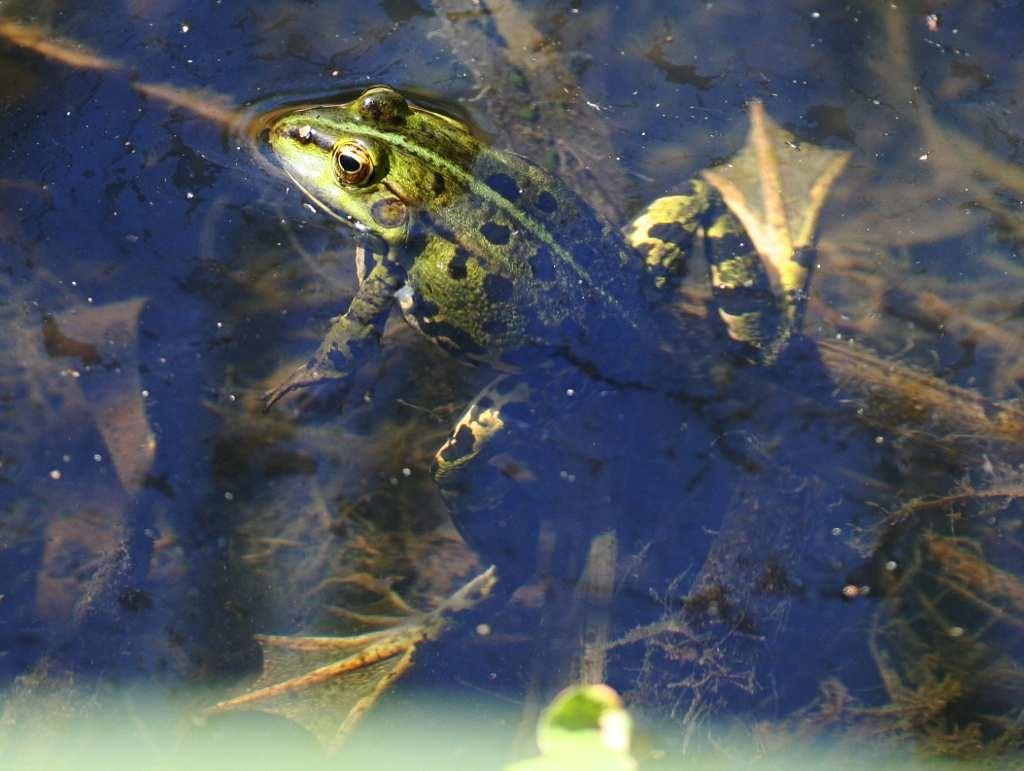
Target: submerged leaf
x,y
99,337
38,39
326,684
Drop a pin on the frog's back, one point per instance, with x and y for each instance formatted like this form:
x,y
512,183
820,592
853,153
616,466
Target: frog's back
x,y
528,268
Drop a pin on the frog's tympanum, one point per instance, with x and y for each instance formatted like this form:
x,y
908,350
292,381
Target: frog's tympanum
x,y
499,263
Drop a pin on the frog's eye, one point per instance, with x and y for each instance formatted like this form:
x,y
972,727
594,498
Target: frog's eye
x,y
353,163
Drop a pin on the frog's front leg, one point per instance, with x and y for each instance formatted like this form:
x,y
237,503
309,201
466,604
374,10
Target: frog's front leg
x,y
353,336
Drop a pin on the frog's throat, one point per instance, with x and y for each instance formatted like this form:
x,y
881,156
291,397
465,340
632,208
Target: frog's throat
x,y
516,215
364,235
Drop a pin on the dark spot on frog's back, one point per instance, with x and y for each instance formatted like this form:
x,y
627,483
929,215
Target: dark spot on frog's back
x,y
504,185
498,288
537,329
495,233
645,248
457,265
547,202
425,309
672,233
726,246
495,327
452,338
430,224
542,265
438,184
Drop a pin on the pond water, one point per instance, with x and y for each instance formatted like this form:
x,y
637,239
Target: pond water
x,y
756,557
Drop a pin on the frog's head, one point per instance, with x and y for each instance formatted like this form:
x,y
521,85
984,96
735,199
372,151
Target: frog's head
x,y
375,161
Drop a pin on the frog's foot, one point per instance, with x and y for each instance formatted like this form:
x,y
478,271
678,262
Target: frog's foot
x,y
309,374
327,684
351,337
775,187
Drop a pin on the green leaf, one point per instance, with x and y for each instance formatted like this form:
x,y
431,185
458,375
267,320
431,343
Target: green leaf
x,y
585,727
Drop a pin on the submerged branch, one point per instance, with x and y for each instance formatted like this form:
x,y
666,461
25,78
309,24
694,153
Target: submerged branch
x,y
913,402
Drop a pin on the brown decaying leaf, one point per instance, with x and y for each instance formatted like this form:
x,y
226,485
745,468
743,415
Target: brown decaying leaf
x,y
203,103
99,336
327,684
39,39
85,561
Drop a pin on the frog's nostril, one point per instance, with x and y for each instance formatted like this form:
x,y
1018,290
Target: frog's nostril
x,y
301,133
304,134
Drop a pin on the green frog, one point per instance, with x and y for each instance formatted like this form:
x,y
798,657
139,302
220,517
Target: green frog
x,y
501,264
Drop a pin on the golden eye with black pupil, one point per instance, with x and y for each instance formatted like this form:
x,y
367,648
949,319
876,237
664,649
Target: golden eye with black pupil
x,y
353,163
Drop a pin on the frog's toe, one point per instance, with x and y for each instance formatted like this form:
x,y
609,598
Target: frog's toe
x,y
303,377
274,395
